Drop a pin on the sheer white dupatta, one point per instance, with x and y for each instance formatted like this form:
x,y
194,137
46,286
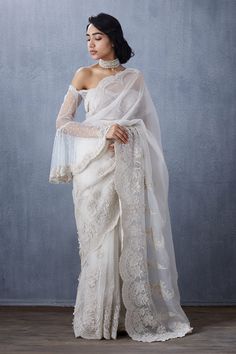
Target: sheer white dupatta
x,y
147,263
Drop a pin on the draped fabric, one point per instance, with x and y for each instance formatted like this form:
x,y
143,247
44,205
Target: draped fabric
x,y
128,277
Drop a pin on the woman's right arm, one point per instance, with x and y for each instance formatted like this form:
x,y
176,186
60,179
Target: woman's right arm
x,y
65,120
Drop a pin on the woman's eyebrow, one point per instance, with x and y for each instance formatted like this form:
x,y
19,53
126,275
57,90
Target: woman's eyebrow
x,y
94,33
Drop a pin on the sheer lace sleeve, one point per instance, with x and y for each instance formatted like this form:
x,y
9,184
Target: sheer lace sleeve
x,y
66,123
75,144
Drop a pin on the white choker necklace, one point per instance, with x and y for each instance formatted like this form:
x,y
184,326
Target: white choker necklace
x,y
107,64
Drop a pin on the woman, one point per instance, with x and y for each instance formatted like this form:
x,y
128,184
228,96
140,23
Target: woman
x,y
128,278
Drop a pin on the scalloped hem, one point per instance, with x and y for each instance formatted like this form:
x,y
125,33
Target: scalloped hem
x,y
166,336
147,339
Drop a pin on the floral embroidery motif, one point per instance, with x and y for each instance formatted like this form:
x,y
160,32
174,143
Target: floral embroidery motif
x,y
145,292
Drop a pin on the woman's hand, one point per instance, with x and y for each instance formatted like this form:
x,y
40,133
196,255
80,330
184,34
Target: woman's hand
x,y
117,132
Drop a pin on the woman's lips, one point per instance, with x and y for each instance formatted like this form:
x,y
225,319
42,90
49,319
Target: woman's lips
x,y
93,52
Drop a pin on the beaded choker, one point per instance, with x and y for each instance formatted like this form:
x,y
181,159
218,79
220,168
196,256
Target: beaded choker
x,y
107,64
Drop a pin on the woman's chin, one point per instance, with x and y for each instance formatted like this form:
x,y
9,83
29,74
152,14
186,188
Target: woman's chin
x,y
94,56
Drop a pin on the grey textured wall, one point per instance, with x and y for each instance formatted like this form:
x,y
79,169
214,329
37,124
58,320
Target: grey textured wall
x,y
186,50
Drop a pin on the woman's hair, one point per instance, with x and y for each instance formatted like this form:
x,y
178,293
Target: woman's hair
x,y
111,26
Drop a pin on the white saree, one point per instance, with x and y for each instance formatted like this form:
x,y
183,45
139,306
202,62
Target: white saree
x,y
128,277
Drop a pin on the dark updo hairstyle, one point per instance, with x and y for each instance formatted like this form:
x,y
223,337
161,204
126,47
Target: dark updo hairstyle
x,y
111,26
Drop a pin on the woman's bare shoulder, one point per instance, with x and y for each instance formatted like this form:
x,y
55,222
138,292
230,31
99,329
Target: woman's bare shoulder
x,y
81,76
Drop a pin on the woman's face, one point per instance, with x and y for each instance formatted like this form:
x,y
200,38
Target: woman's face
x,y
99,44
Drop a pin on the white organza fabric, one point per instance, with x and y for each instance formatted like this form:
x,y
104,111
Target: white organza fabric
x,y
128,277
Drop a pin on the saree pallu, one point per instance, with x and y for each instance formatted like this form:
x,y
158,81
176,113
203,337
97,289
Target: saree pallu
x,y
128,277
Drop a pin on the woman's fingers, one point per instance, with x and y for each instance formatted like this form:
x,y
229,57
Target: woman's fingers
x,y
118,133
122,135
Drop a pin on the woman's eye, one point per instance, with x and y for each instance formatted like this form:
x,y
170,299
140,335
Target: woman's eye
x,y
97,39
